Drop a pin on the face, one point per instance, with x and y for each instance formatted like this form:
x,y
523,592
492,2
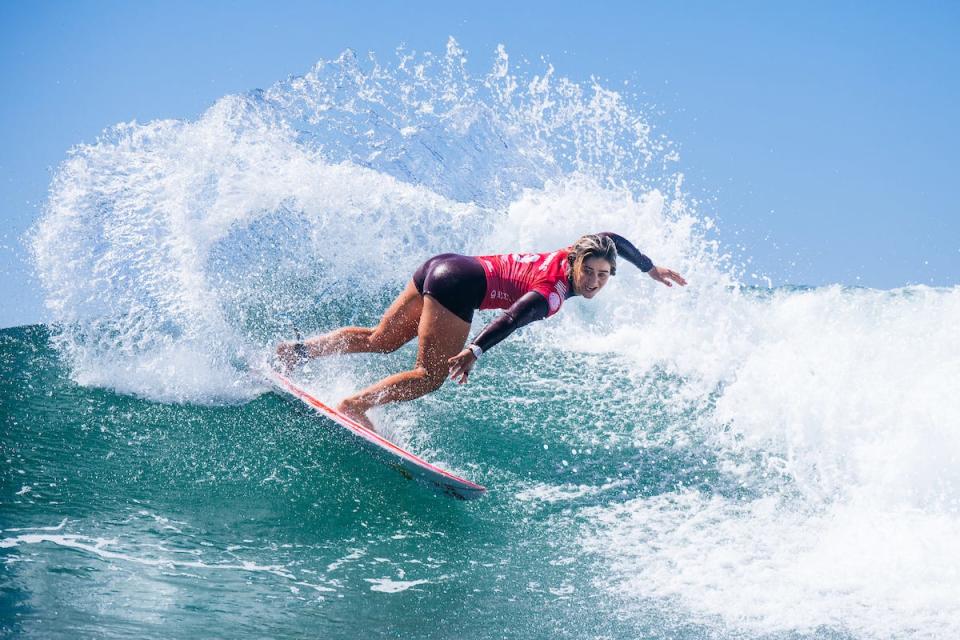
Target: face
x,y
591,277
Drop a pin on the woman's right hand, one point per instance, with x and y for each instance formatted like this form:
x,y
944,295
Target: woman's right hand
x,y
461,365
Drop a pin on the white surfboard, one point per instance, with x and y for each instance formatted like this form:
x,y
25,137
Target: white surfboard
x,y
410,465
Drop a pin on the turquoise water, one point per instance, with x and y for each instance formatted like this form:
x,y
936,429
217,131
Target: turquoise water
x,y
716,461
125,517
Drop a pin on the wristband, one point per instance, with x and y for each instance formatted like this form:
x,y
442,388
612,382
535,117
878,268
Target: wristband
x,y
476,350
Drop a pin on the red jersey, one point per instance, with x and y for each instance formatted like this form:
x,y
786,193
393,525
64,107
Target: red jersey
x,y
511,275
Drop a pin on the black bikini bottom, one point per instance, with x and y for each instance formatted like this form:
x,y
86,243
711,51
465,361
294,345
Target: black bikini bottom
x,y
457,282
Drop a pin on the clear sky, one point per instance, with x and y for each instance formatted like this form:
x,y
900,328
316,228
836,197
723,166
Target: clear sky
x,y
822,135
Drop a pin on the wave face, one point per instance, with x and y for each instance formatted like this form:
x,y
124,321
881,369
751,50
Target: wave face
x,y
714,461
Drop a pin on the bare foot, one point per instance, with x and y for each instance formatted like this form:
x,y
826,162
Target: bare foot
x,y
287,356
352,410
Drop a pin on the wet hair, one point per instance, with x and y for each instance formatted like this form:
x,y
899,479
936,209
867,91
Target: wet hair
x,y
593,246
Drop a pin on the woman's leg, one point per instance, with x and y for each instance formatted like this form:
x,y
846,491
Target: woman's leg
x,y
442,335
397,327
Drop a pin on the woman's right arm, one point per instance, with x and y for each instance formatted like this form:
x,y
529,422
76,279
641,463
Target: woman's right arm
x,y
529,307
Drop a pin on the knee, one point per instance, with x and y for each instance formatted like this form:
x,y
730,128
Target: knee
x,y
433,378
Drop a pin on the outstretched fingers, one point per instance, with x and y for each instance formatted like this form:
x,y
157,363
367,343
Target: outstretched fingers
x,y
461,365
665,275
676,277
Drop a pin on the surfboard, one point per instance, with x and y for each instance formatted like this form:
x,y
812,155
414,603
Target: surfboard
x,y
411,466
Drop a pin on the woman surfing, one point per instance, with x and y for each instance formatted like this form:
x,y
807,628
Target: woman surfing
x,y
437,307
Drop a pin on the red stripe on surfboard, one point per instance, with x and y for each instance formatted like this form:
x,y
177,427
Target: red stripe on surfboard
x,y
365,433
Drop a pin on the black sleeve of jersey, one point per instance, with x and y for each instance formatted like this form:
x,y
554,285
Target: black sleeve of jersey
x,y
629,252
529,307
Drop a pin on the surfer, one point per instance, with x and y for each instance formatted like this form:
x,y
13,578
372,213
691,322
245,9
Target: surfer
x,y
437,306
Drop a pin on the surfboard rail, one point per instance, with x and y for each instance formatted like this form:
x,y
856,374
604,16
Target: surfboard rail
x,y
412,465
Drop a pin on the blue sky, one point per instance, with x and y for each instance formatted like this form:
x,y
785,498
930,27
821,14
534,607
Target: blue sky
x,y
822,135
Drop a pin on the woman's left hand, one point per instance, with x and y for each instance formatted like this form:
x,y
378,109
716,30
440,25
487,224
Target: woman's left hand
x,y
461,365
664,275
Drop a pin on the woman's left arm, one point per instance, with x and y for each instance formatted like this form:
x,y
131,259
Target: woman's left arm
x,y
633,255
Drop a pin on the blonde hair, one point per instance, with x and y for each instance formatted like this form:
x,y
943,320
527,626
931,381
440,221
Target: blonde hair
x,y
593,246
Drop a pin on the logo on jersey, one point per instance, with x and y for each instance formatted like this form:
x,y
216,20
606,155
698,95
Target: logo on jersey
x,y
553,300
548,260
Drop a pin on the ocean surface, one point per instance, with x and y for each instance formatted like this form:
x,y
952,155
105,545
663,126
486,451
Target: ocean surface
x,y
715,461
